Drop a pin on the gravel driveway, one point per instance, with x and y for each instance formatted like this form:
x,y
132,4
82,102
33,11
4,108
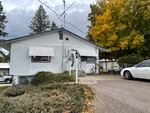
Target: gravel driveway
x,y
116,95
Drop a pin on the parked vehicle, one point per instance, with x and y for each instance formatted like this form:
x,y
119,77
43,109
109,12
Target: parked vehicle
x,y
6,79
141,70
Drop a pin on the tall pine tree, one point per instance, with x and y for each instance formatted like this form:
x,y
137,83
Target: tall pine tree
x,y
2,21
40,22
54,26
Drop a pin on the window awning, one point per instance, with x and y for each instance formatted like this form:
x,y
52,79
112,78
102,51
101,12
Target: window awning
x,y
41,51
87,53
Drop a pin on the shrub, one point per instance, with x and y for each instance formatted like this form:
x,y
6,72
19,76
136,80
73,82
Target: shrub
x,y
6,107
52,98
42,77
64,78
47,77
80,95
2,88
14,91
130,60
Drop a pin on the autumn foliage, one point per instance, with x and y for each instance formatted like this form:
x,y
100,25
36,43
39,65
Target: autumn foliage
x,y
121,25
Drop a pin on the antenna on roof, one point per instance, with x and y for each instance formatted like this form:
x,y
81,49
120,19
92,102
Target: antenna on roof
x,y
64,13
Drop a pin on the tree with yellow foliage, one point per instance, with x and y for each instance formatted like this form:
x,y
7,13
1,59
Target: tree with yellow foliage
x,y
121,25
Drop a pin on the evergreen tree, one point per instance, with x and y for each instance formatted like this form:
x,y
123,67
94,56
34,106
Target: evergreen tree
x,y
54,26
96,9
40,22
2,21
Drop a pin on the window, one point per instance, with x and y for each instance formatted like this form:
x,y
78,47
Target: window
x,y
60,35
41,59
145,63
88,59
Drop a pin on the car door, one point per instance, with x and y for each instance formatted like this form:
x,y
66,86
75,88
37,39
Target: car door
x,y
140,70
147,69
143,69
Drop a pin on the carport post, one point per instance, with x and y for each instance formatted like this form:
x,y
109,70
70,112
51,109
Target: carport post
x,y
77,65
76,70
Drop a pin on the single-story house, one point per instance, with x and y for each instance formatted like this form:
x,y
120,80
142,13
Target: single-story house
x,y
50,51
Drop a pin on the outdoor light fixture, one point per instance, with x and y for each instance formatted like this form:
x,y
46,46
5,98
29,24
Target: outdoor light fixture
x,y
77,54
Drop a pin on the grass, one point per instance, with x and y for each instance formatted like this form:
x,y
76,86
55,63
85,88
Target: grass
x,y
2,88
50,98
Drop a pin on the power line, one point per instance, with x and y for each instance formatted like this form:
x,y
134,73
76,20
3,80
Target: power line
x,y
64,13
76,28
51,10
67,9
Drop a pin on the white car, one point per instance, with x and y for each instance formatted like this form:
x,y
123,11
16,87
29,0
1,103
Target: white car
x,y
141,70
6,79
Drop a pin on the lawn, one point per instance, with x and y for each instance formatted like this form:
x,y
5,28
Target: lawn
x,y
50,98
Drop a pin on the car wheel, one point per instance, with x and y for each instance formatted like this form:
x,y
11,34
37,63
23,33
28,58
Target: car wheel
x,y
127,75
8,81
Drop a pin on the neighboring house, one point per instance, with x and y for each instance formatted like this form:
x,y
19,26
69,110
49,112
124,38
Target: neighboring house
x,y
4,69
50,51
107,65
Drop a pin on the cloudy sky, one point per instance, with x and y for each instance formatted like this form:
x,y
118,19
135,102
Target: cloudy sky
x,y
20,12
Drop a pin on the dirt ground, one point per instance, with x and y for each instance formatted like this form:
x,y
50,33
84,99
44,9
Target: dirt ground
x,y
116,95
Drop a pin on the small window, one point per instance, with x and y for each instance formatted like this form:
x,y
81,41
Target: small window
x,y
88,59
60,35
83,59
41,59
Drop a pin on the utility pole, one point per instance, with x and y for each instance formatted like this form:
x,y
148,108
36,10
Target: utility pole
x,y
64,12
63,48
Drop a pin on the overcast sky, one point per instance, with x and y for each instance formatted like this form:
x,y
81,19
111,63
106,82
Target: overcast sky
x,y
20,12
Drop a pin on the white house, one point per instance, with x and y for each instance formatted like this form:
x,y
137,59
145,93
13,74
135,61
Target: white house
x,y
52,51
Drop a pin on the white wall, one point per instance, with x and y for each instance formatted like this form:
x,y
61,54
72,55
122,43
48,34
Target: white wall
x,y
21,61
78,44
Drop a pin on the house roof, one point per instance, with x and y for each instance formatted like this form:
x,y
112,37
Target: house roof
x,y
49,32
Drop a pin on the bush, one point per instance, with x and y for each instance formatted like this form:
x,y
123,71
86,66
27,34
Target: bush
x,y
47,77
52,98
14,91
80,95
6,107
2,88
42,77
130,60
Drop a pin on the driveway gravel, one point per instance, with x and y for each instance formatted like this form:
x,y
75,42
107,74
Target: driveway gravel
x,y
116,95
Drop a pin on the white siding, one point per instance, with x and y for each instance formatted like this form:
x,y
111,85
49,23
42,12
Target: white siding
x,y
21,61
77,44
